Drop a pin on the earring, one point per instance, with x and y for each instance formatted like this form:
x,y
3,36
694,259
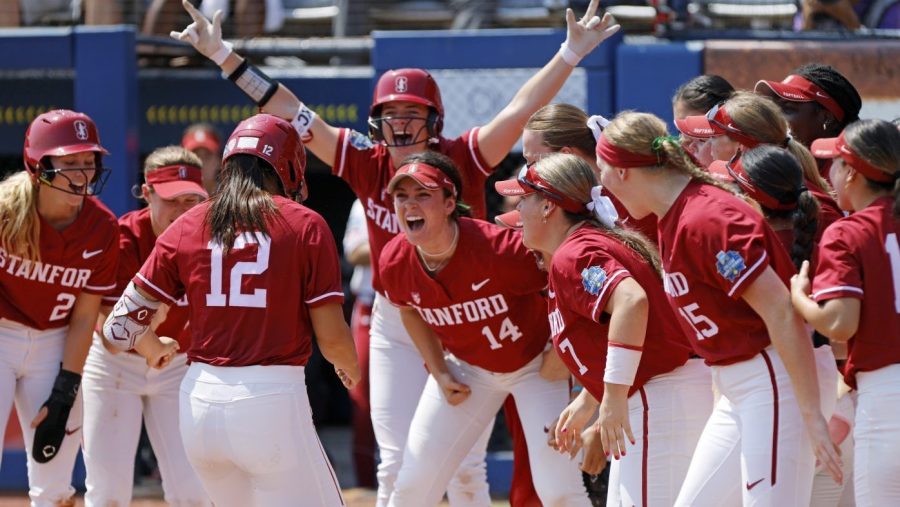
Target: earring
x,y
825,125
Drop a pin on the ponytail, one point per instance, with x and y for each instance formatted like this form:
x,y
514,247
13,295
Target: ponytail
x,y
808,165
806,223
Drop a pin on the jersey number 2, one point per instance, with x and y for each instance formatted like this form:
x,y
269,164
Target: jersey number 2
x,y
235,297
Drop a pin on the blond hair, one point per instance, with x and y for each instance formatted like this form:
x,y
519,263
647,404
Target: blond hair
x,y
639,132
878,143
170,155
760,118
20,229
563,125
571,176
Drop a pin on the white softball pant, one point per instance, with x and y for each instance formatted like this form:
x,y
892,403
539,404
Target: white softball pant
x,y
877,435
118,390
441,435
397,376
826,492
248,433
29,363
754,450
667,416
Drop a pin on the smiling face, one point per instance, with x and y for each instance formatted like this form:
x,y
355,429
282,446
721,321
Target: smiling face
x,y
423,214
164,211
71,182
534,226
404,128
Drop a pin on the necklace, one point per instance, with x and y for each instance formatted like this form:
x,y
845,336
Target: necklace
x,y
423,254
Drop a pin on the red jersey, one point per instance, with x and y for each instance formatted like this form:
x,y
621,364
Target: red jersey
x,y
585,271
80,258
136,241
249,306
485,306
859,257
712,245
368,168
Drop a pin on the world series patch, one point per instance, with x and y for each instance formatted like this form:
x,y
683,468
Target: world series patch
x,y
592,279
730,264
359,141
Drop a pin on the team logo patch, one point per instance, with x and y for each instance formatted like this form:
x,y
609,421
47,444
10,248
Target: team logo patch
x,y
730,264
81,130
592,279
416,298
359,141
401,84
182,172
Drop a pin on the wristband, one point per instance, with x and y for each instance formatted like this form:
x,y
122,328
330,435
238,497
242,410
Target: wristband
x,y
568,56
621,363
222,53
303,120
254,83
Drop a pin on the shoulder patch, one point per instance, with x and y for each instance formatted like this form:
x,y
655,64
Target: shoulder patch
x,y
730,265
592,279
359,141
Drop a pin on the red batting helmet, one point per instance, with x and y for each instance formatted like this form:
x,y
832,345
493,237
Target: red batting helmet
x,y
57,133
275,141
410,85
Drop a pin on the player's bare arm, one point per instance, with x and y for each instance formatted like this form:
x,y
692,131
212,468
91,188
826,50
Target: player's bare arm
x,y
500,134
206,37
838,319
770,299
336,342
433,353
629,310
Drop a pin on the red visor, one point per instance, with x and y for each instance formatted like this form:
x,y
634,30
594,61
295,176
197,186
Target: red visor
x,y
176,180
722,123
511,220
799,89
529,182
201,139
425,175
735,169
621,158
695,126
834,147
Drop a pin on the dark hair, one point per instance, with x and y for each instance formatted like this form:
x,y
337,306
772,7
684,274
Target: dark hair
x,y
775,172
446,166
243,200
878,143
703,92
835,84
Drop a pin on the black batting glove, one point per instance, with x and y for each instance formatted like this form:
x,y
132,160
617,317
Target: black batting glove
x,y
49,434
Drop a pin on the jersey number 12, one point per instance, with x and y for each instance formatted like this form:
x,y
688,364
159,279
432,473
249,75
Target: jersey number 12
x,y
235,297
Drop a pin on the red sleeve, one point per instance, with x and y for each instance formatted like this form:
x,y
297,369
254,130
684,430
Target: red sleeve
x,y
159,274
587,282
129,263
355,160
473,152
736,246
103,278
322,272
838,273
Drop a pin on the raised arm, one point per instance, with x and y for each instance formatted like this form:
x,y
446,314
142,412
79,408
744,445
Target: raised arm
x,y
500,134
771,300
206,37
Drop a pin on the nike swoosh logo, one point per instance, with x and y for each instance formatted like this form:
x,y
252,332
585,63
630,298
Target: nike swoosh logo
x,y
87,255
70,432
476,286
751,485
820,94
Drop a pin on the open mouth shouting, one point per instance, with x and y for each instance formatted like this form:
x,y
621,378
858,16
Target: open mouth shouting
x,y
415,222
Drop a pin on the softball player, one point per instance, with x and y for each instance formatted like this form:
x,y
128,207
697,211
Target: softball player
x,y
751,120
714,245
695,98
406,118
261,273
472,290
119,389
57,258
856,281
613,328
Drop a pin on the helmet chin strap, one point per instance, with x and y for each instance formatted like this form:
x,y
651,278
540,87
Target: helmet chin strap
x,y
412,142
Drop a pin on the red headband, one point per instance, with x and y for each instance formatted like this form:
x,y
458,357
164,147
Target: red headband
x,y
175,173
426,175
722,123
736,169
619,157
860,164
529,177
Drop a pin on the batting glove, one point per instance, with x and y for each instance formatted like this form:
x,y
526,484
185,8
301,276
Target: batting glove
x,y
49,434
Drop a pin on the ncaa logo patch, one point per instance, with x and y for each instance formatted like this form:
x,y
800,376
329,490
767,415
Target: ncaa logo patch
x,y
592,279
401,84
81,130
730,264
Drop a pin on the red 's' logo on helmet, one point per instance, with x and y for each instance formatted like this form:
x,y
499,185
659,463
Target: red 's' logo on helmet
x,y
81,130
401,84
